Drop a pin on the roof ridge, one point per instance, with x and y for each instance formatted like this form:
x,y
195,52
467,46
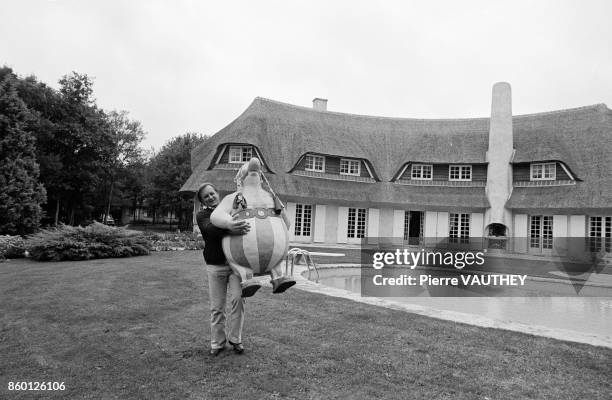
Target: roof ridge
x,y
367,116
596,106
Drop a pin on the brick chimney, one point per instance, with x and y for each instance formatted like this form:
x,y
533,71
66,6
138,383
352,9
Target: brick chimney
x,y
319,104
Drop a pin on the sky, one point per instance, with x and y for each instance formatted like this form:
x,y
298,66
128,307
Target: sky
x,y
194,66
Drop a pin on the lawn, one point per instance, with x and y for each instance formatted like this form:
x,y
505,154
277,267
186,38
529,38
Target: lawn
x,y
138,328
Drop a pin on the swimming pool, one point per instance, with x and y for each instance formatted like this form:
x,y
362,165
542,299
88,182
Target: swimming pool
x,y
584,316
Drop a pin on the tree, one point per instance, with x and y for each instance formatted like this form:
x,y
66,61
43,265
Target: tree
x,y
77,88
121,149
133,183
70,133
168,171
21,194
82,151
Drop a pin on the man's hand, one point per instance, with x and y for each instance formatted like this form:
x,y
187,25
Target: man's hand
x,y
237,227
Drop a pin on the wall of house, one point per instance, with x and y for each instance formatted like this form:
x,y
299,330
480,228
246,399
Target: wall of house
x,y
329,227
568,233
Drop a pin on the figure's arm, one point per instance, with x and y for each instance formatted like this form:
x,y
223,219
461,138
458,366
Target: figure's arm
x,y
207,228
285,218
221,216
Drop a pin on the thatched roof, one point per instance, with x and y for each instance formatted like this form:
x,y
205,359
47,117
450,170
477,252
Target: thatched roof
x,y
283,133
582,139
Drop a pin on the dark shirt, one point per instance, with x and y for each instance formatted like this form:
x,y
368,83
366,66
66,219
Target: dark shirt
x,y
213,252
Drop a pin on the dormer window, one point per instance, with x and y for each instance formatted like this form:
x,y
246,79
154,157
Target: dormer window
x,y
460,173
315,163
421,171
240,154
543,171
350,167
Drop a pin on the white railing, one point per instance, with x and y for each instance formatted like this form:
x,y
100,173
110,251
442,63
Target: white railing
x,y
322,175
228,166
543,183
418,182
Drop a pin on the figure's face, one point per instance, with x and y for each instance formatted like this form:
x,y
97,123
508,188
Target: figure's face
x,y
210,196
253,178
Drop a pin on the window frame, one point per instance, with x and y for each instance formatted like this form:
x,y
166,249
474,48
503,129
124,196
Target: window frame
x,y
314,158
600,233
461,170
303,220
543,177
357,223
421,168
242,153
459,225
540,231
349,161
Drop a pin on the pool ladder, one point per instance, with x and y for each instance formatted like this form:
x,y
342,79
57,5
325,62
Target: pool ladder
x,y
295,255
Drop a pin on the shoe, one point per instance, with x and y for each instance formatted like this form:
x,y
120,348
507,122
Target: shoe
x,y
279,285
250,290
238,347
216,352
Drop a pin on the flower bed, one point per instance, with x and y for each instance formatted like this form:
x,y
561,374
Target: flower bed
x,y
175,241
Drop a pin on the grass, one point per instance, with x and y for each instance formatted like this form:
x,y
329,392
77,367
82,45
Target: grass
x,y
138,328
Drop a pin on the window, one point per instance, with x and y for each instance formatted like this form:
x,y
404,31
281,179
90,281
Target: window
x,y
356,223
315,163
543,171
421,171
303,219
459,229
460,173
350,167
240,154
600,234
541,231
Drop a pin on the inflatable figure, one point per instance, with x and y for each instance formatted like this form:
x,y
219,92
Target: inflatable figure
x,y
263,248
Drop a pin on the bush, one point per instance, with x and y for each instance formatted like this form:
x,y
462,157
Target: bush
x,y
94,241
11,247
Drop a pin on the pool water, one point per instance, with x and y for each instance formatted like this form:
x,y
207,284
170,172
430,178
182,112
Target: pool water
x,y
589,315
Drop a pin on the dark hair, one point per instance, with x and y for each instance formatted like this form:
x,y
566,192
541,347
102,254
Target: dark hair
x,y
202,186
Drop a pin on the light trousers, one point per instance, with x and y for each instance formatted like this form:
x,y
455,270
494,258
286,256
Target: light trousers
x,y
223,283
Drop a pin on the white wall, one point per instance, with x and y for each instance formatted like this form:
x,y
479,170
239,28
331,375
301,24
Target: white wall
x,y
577,226
342,224
319,223
372,228
560,234
521,233
398,226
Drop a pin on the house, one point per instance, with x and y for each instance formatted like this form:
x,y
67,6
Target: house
x,y
520,183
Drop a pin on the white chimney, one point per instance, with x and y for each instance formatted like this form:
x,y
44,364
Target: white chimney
x,y
319,104
499,170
